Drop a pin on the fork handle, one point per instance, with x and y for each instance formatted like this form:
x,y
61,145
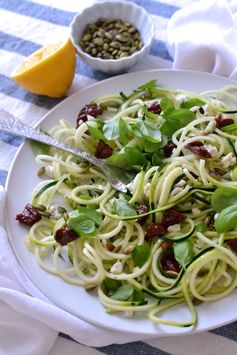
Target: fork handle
x,y
12,125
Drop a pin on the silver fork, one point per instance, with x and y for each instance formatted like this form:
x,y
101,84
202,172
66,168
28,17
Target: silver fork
x,y
118,178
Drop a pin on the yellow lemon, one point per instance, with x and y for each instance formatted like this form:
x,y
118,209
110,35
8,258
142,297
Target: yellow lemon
x,y
48,71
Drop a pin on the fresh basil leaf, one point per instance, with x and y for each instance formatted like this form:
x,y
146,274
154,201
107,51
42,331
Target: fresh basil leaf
x,y
148,85
192,102
39,148
149,131
183,252
95,132
151,115
156,159
140,254
82,226
167,106
118,160
227,219
135,158
151,147
200,227
92,214
176,120
123,132
138,296
230,128
224,197
111,129
123,293
123,208
111,284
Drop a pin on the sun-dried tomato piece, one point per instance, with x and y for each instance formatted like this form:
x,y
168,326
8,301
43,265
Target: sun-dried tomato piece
x,y
172,216
233,244
93,110
195,144
169,264
65,235
103,150
166,245
140,210
29,215
222,122
198,148
155,108
211,224
168,149
155,230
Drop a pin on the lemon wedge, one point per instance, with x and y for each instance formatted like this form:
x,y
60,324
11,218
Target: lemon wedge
x,y
48,71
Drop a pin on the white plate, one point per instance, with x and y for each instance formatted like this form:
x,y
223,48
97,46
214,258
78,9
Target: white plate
x,y
22,179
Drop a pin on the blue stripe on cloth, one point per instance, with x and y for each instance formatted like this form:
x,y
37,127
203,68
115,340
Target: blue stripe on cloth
x,y
17,45
156,7
38,11
8,87
10,139
3,177
137,348
228,331
62,17
159,49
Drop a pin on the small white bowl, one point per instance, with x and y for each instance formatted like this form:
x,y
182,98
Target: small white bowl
x,y
127,12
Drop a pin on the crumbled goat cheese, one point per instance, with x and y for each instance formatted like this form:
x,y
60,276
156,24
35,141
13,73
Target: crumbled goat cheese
x,y
174,228
194,108
136,269
207,110
180,99
211,150
48,171
117,268
55,211
195,211
181,183
146,189
228,160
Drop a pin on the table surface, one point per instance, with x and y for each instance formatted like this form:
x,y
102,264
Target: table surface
x,y
24,27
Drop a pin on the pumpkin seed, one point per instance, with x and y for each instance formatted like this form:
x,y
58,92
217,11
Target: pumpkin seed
x,y
125,48
39,207
124,54
98,41
94,51
115,44
110,39
87,37
105,46
108,35
41,171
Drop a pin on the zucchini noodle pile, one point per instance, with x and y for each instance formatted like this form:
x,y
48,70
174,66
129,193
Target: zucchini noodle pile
x,y
133,270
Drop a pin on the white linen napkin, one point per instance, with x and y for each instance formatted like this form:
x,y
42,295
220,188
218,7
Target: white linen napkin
x,y
30,322
203,37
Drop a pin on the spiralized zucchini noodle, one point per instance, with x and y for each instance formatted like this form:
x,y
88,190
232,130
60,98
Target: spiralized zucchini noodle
x,y
172,238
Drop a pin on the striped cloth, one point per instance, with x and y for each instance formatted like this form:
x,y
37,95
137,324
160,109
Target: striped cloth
x,y
27,25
